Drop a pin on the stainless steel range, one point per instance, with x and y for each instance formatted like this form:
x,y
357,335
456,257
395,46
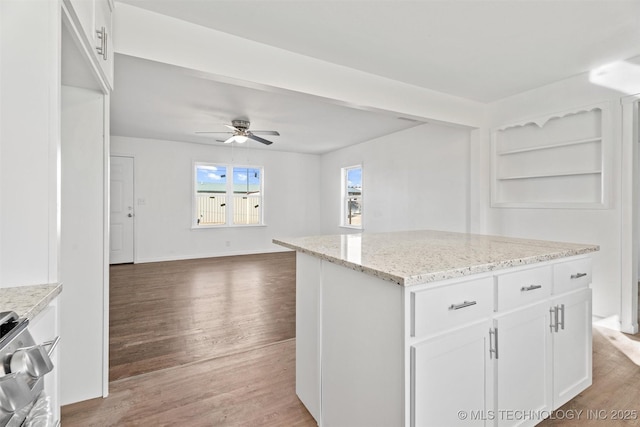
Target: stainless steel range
x,y
23,365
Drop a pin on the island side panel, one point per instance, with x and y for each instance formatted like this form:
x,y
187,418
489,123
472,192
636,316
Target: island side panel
x,y
308,277
362,331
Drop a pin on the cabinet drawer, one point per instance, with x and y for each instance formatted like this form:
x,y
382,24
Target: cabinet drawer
x,y
524,287
571,275
435,310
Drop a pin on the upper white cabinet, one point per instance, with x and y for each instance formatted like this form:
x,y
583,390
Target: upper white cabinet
x,y
93,22
559,160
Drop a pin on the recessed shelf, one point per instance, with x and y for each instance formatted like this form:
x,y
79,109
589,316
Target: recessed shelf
x,y
557,160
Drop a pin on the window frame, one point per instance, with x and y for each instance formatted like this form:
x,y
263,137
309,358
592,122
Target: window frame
x,y
229,194
344,197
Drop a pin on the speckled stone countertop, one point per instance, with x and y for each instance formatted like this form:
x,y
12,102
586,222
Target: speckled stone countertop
x,y
413,257
28,301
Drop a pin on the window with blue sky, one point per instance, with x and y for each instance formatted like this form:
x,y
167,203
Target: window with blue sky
x,y
352,197
228,195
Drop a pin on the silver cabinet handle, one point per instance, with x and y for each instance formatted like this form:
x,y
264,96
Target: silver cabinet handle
x,y
578,275
493,347
561,310
463,305
102,36
530,288
553,319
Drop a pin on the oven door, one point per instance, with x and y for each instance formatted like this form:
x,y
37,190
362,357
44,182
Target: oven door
x,y
41,413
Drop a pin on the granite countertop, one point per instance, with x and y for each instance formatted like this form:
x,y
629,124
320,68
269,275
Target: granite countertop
x,y
28,301
413,257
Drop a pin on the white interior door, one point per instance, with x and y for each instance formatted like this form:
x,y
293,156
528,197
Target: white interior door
x,y
122,213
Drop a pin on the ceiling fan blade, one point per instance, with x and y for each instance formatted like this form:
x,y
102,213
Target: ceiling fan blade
x,y
230,140
211,132
267,132
257,138
233,128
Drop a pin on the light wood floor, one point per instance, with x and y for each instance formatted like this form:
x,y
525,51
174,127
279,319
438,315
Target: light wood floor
x,y
211,343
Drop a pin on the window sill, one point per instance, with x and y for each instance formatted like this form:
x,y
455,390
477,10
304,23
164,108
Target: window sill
x,y
352,227
209,227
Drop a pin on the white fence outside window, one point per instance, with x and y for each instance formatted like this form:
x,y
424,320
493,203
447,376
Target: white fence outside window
x,y
212,209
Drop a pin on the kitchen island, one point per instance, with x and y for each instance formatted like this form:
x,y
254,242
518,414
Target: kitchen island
x,y
429,328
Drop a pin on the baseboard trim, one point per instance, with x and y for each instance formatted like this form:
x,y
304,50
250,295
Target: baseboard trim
x,y
209,255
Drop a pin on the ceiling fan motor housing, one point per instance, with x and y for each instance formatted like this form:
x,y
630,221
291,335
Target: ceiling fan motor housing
x,y
241,124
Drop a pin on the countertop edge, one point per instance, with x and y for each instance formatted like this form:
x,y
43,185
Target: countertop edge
x,y
445,274
29,300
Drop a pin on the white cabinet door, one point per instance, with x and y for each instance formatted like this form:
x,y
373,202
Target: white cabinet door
x,y
449,378
95,19
104,25
523,365
85,11
572,346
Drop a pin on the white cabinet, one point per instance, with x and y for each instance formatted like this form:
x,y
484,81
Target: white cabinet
x,y
450,372
93,22
544,345
523,373
494,349
449,355
572,346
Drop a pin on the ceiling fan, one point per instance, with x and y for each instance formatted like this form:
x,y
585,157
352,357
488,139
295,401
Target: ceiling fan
x,y
240,133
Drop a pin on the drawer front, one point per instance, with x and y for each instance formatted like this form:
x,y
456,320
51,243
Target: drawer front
x,y
524,287
435,310
571,275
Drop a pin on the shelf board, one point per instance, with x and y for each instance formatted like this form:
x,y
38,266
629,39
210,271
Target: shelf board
x,y
549,175
550,146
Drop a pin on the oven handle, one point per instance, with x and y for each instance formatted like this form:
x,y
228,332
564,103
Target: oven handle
x,y
52,345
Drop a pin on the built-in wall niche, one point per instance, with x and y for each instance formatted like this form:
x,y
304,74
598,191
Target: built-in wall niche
x,y
555,161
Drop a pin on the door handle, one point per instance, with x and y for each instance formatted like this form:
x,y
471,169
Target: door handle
x,y
130,215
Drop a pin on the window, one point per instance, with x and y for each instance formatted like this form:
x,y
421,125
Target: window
x,y
227,195
352,197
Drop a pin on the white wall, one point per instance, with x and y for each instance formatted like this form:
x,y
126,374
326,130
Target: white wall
x,y
82,244
163,179
597,226
414,179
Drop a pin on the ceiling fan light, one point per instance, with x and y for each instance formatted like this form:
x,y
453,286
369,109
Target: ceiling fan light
x,y
240,138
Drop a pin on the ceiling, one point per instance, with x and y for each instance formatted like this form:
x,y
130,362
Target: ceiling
x,y
481,50
161,101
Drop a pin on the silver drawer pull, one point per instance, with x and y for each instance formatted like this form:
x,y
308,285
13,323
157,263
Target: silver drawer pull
x,y
463,305
530,288
578,275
